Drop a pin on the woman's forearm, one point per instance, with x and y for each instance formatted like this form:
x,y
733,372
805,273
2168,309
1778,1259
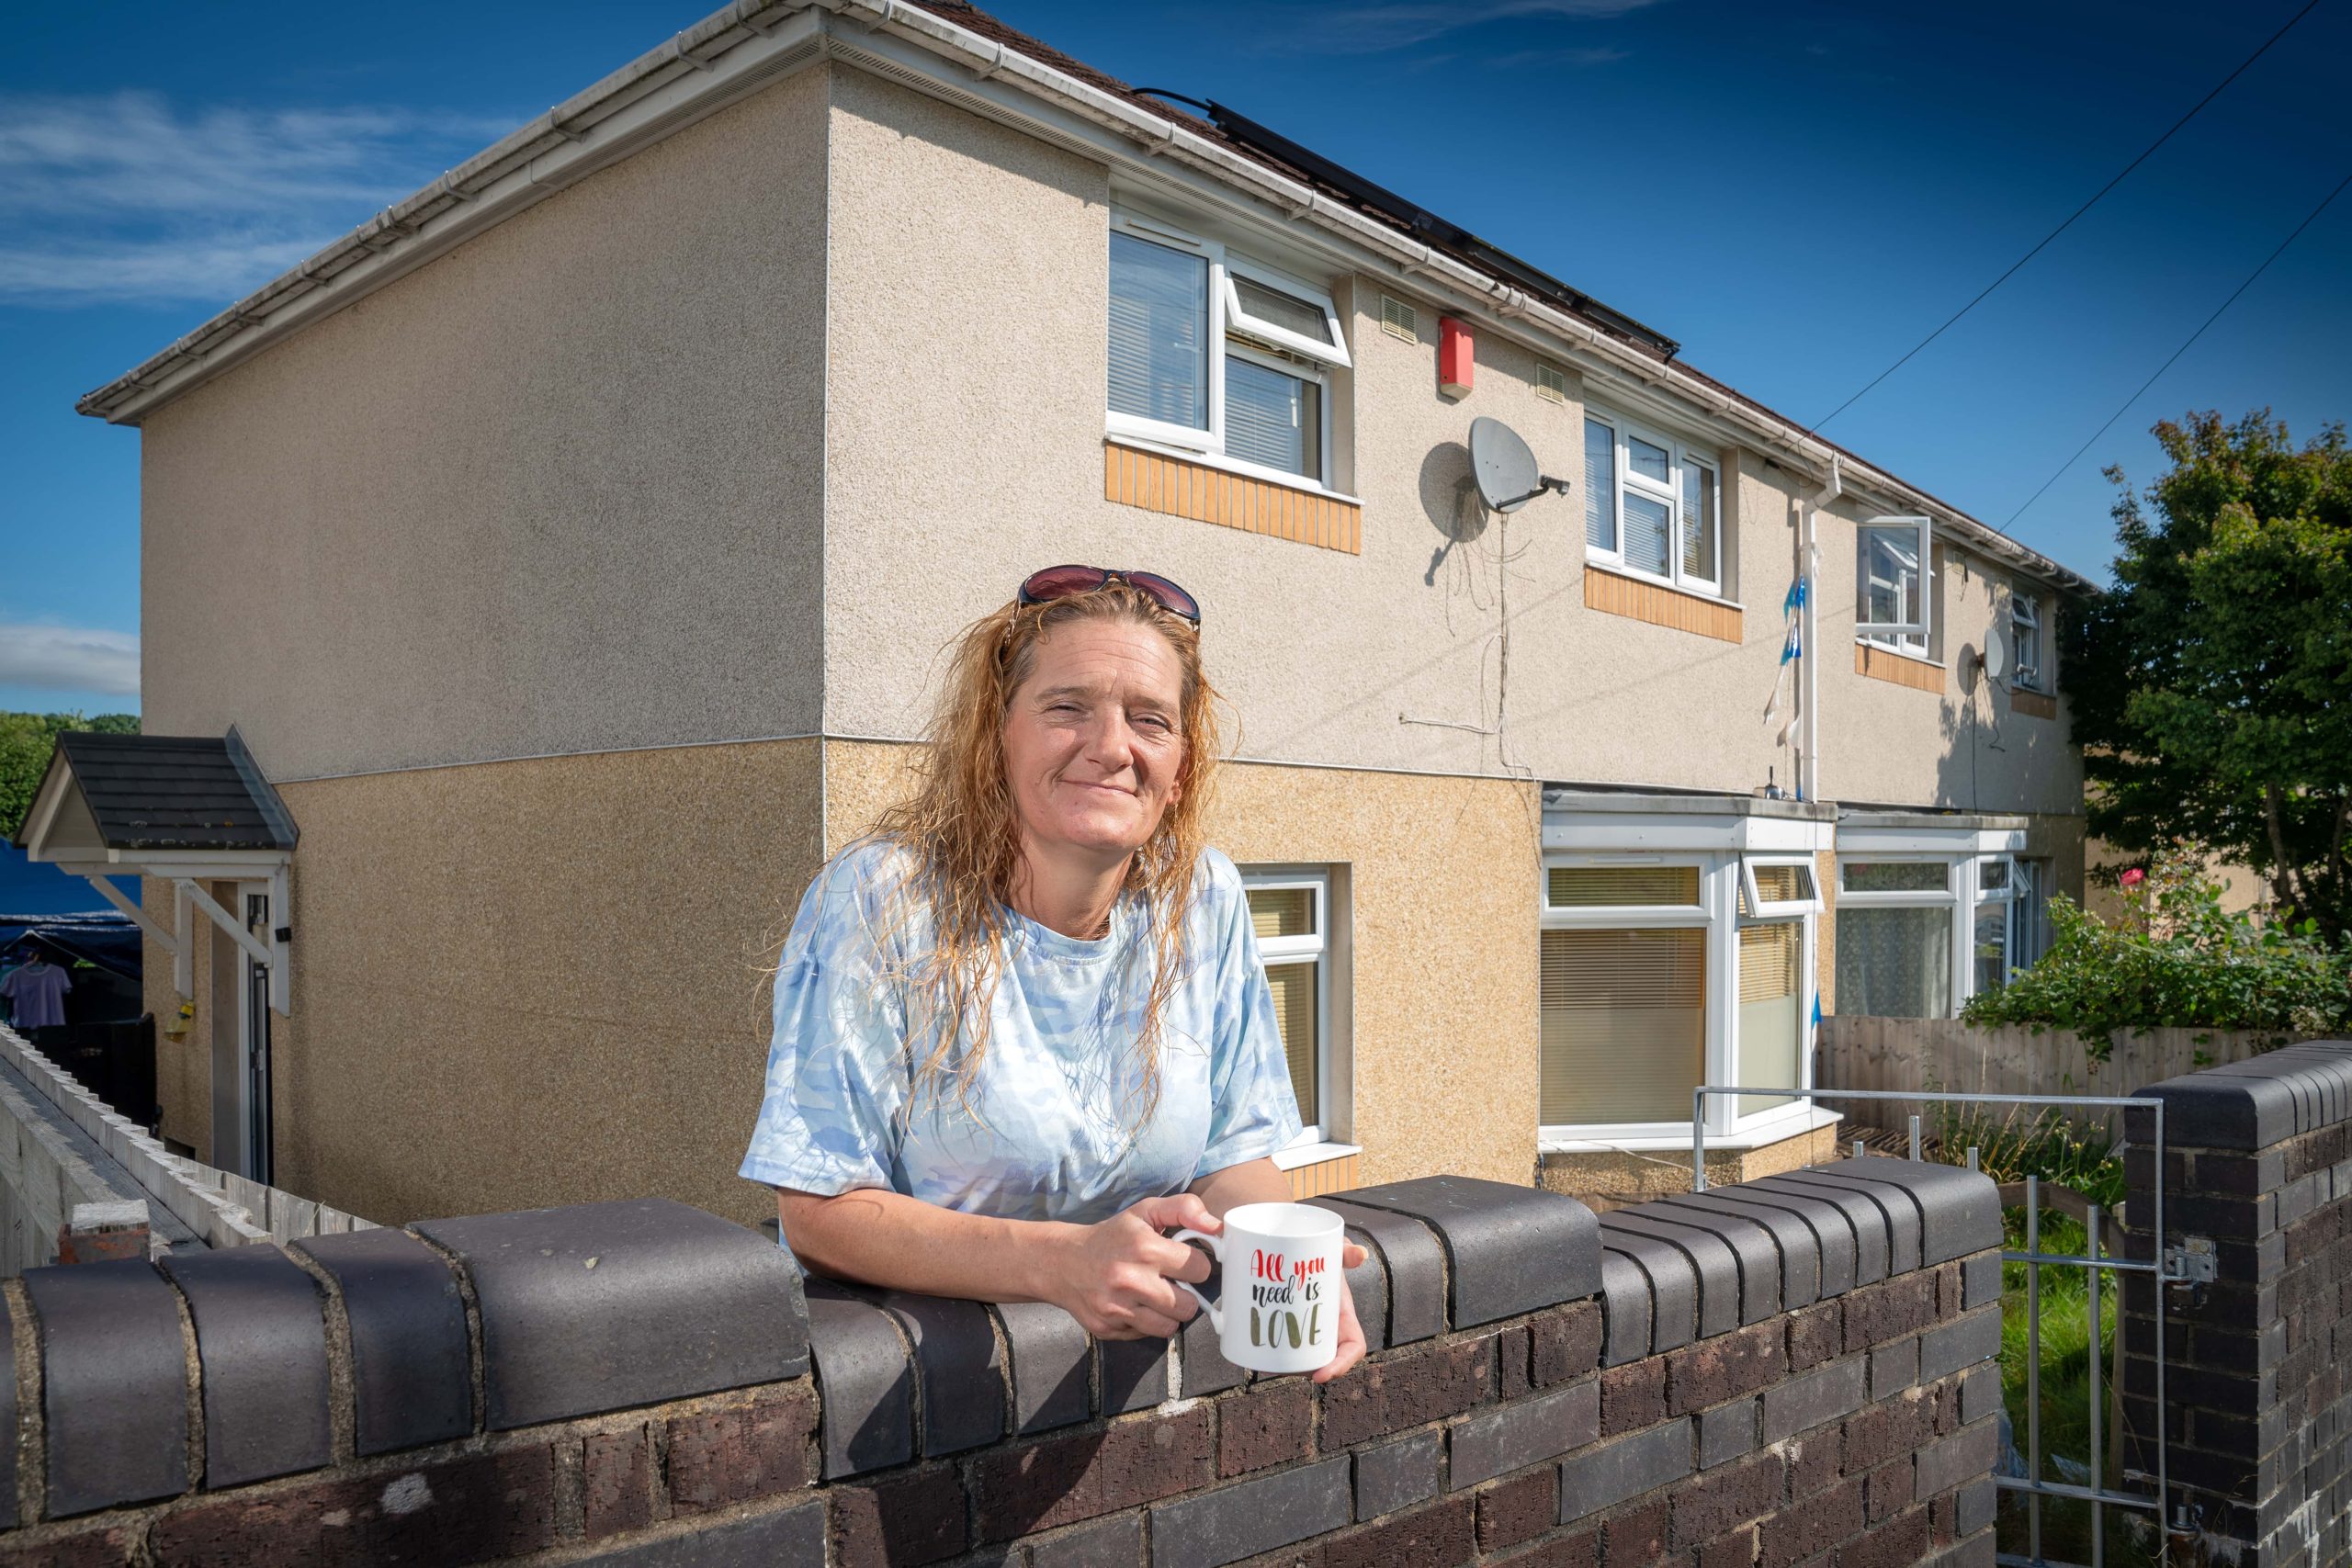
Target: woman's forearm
x,y
1253,1181
887,1238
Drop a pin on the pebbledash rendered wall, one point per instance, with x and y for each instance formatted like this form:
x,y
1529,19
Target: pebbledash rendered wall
x,y
2256,1402
1787,1371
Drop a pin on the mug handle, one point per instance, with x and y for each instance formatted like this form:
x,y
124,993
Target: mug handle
x,y
1216,1250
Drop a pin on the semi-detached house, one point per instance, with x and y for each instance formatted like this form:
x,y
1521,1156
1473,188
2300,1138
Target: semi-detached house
x,y
572,545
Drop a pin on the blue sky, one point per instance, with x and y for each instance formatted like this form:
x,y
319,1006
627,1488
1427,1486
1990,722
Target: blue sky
x,y
1797,192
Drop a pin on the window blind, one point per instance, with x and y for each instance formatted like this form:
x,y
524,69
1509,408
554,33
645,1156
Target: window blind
x,y
1771,991
1281,911
1698,523
1894,963
1622,886
1649,533
1272,418
1599,486
1294,988
1159,314
1624,1024
1784,883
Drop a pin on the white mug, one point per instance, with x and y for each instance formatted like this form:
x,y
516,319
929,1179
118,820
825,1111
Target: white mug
x,y
1282,1280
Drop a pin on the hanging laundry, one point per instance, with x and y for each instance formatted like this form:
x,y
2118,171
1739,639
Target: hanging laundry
x,y
36,993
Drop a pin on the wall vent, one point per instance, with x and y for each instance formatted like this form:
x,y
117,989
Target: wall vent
x,y
1551,381
1399,319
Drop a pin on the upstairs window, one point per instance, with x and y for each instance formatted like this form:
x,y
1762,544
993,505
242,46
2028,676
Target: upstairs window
x,y
2025,640
1217,354
1894,570
1652,505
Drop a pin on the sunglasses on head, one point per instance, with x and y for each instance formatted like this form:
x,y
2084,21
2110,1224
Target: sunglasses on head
x,y
1066,581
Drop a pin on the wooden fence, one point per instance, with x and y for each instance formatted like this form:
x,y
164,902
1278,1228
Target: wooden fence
x,y
1943,1053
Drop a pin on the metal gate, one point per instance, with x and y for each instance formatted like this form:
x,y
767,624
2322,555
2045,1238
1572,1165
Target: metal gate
x,y
2095,1261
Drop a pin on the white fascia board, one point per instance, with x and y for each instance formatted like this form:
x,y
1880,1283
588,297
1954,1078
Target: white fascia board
x,y
1603,832
1959,839
218,865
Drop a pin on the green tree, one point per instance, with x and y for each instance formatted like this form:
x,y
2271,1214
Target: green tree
x,y
2212,689
27,739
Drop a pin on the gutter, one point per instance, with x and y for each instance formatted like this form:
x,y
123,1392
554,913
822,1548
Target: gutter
x,y
749,43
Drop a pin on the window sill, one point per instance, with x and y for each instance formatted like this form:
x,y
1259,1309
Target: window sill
x,y
1312,1153
1597,563
1233,466
1869,646
1564,1140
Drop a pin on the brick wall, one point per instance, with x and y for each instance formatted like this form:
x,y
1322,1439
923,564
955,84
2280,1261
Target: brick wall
x,y
2257,1405
1789,1372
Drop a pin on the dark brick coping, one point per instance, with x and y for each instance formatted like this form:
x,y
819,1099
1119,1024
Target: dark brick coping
x,y
677,1365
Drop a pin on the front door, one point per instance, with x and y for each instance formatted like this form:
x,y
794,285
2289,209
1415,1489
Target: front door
x,y
241,1133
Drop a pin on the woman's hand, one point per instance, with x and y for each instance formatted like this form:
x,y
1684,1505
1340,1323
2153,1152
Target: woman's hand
x,y
1115,1277
1349,1349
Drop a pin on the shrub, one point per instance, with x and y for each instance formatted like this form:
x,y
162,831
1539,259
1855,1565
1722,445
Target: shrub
x,y
2185,964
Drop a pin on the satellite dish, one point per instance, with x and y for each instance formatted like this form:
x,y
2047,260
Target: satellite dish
x,y
1505,468
1995,657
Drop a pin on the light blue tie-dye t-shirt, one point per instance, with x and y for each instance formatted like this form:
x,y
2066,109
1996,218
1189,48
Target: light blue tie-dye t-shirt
x,y
1049,1133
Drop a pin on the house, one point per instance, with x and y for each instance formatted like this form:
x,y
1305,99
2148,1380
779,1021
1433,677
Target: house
x,y
573,546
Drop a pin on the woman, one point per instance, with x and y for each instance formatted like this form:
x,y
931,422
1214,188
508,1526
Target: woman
x,y
1023,1029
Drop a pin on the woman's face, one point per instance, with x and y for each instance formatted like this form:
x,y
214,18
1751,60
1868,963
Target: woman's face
x,y
1093,737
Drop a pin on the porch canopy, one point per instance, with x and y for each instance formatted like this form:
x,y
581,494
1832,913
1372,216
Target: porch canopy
x,y
190,809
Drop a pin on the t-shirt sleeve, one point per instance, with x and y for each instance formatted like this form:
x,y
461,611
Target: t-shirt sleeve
x,y
836,1076
1252,1112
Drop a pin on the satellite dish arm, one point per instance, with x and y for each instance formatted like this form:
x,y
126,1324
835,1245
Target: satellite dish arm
x,y
1542,482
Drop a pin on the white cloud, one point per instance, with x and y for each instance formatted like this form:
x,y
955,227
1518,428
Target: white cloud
x,y
69,659
125,195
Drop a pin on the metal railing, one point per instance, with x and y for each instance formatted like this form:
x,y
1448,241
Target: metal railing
x,y
2032,1485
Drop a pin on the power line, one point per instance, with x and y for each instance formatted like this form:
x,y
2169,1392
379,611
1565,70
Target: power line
x,y
2062,228
2184,348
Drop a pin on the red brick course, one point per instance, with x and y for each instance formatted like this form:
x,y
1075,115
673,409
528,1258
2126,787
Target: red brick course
x,y
1426,1383
733,1455
1060,1480
1269,1424
1518,1510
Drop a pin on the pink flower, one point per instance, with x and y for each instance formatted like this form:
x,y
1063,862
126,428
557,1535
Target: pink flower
x,y
2133,877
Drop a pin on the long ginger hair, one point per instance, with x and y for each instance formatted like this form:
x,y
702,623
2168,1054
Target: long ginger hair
x,y
963,828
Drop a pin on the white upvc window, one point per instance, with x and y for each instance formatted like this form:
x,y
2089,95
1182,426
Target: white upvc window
x,y
1898,936
2027,662
1894,582
1218,354
1291,915
1653,506
1992,926
1663,972
1920,934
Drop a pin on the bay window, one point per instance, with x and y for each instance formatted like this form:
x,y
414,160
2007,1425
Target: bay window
x,y
1217,354
1662,968
1652,505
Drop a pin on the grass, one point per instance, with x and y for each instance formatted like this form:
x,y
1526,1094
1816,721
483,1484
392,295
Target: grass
x,y
2081,1157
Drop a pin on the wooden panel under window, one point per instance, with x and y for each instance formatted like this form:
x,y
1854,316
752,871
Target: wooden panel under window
x,y
2033,705
1611,595
1183,488
1324,1176
1880,664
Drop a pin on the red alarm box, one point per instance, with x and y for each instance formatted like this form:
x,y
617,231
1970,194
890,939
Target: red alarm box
x,y
1454,356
